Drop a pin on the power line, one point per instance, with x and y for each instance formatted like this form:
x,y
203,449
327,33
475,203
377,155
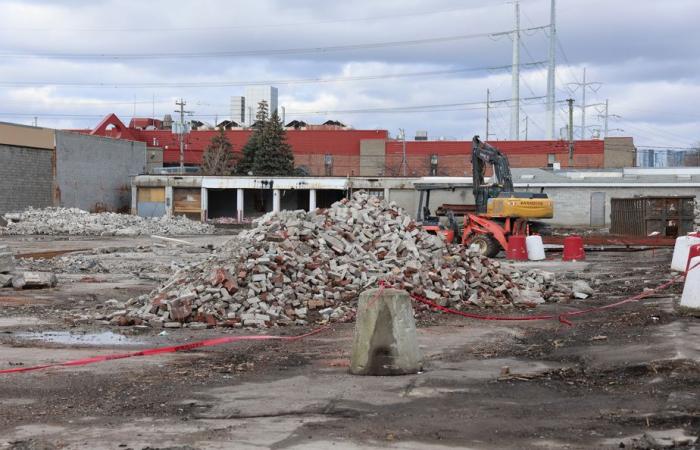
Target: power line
x,y
426,108
212,84
398,109
287,51
236,27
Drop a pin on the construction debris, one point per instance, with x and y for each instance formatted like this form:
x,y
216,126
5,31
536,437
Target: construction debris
x,y
74,221
153,262
7,261
581,290
34,280
7,266
294,267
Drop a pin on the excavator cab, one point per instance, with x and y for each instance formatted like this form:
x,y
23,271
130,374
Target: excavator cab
x,y
432,223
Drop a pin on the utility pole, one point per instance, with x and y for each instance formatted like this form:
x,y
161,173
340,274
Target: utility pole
x,y
551,72
182,112
404,163
583,106
605,133
488,111
515,88
526,127
570,101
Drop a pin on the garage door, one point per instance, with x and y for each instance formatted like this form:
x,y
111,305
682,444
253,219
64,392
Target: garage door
x,y
151,202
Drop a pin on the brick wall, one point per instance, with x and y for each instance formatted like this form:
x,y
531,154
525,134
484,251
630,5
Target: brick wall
x,y
25,178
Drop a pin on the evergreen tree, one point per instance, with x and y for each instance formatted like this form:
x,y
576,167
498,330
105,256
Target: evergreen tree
x,y
274,155
245,165
218,157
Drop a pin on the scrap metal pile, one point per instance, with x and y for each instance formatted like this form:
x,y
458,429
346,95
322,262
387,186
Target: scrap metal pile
x,y
74,221
294,267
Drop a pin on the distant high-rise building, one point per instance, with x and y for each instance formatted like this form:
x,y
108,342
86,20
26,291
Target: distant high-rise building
x,y
238,109
254,95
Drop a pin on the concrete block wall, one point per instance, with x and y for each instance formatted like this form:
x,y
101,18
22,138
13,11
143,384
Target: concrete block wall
x,y
372,157
25,178
94,173
342,165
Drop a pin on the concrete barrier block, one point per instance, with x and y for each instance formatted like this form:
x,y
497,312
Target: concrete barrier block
x,y
385,341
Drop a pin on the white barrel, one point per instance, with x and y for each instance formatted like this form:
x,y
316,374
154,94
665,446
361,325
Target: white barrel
x,y
691,288
535,248
681,250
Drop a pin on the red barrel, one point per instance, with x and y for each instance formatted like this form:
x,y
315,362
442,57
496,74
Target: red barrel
x,y
517,250
573,249
693,251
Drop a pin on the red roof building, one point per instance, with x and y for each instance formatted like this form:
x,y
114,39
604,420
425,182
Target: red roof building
x,y
343,151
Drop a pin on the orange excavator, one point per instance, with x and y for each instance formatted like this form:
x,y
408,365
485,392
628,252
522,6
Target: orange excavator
x,y
499,211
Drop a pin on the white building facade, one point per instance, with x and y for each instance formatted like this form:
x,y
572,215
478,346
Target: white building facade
x,y
254,95
238,112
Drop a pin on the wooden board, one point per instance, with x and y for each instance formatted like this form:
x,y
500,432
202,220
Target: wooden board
x,y
151,195
187,200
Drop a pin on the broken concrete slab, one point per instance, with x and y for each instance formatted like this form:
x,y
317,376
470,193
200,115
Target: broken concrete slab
x,y
7,260
581,290
34,280
5,280
385,341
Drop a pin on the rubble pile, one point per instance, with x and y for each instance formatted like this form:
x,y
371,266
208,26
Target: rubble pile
x,y
294,266
155,262
74,221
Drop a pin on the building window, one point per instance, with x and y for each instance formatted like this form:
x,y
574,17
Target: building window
x,y
551,159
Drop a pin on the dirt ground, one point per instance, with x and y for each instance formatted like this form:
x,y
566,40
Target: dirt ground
x,y
625,378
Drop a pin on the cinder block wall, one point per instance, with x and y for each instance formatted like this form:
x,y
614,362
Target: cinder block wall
x,y
94,172
25,178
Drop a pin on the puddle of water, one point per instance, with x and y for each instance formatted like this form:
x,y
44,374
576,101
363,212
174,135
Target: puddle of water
x,y
68,338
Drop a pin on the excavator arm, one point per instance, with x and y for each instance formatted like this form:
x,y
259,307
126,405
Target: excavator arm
x,y
484,155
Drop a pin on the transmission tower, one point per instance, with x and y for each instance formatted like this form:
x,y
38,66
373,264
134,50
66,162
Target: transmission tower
x,y
593,86
551,72
515,88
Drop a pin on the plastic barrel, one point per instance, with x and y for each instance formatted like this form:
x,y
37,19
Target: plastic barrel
x,y
517,249
681,250
573,249
691,288
693,251
535,248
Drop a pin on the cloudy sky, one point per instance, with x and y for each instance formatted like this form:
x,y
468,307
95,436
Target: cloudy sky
x,y
71,62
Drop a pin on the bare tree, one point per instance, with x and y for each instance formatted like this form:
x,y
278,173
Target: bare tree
x,y
218,158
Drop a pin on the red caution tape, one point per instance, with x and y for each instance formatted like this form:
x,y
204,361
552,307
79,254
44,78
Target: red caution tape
x,y
382,285
171,349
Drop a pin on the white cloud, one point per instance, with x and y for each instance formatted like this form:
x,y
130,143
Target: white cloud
x,y
642,50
